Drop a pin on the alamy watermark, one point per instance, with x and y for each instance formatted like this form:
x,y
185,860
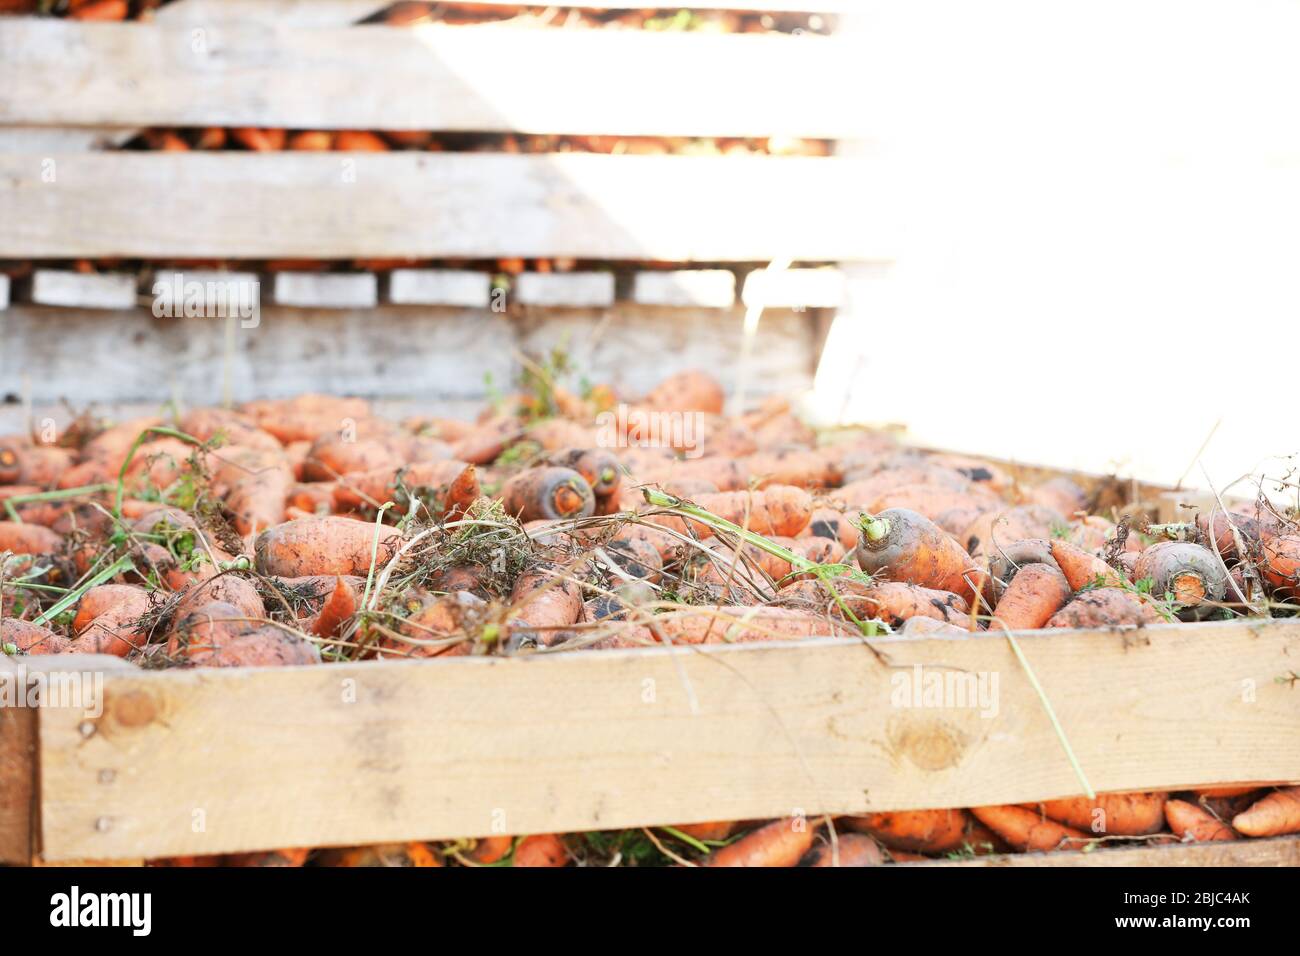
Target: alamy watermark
x,y
630,427
945,688
81,690
209,297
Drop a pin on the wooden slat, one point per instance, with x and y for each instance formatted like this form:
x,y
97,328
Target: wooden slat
x,y
448,78
17,774
19,807
375,752
1281,851
441,357
244,205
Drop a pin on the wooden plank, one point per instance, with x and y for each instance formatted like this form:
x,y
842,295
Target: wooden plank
x,y
17,774
1279,851
71,681
63,72
329,290
455,287
706,288
4,292
61,139
576,289
468,205
230,760
83,290
205,293
434,357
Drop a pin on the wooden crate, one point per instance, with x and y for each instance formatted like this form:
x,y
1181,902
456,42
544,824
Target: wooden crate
x,y
206,70
206,761
71,92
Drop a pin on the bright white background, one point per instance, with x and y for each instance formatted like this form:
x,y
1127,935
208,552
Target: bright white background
x,y
1098,212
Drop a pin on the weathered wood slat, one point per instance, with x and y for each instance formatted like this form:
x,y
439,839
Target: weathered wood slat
x,y
631,82
383,751
241,205
17,774
1281,851
53,680
433,356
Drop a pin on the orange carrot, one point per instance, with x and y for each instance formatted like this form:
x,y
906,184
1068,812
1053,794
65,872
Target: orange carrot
x,y
1060,495
24,538
716,831
1275,814
1105,607
1189,573
850,849
314,140
23,463
438,626
259,140
544,849
220,635
491,849
325,545
777,510
1126,814
1280,564
108,620
1028,831
31,638
359,141
544,602
779,843
923,831
232,589
404,13
210,137
1194,825
99,10
548,493
996,529
383,854
909,547
597,466
257,499
1081,568
801,467
1033,596
897,601
693,391
441,486
338,608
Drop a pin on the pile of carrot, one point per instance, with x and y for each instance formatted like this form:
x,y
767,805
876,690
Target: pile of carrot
x,y
309,530
416,12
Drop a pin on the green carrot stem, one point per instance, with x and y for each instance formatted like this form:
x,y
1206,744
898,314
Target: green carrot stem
x,y
73,596
61,494
796,561
374,550
685,838
135,446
